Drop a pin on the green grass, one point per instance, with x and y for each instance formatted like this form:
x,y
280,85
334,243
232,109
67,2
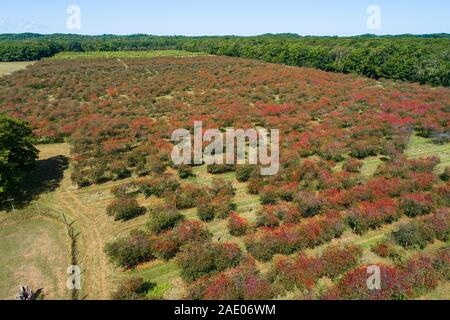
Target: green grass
x,y
165,275
370,166
33,252
124,54
421,148
10,67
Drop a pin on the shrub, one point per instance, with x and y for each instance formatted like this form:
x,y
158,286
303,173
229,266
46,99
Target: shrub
x,y
119,170
438,224
353,165
121,190
445,176
339,260
269,195
133,289
199,259
301,272
422,274
165,246
195,260
423,165
185,171
237,225
420,181
220,168
287,212
210,207
361,149
192,231
254,186
267,217
287,239
226,255
125,209
320,230
386,249
418,275
206,209
411,235
287,191
130,251
158,186
268,242
372,215
417,234
156,164
241,283
220,187
272,215
163,217
353,286
416,204
308,203
187,196
441,195
245,172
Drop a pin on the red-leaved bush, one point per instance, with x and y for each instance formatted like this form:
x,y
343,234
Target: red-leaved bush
x,y
301,272
241,283
237,225
339,260
418,275
287,239
372,215
199,259
416,204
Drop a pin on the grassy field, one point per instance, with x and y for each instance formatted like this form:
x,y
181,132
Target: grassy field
x,y
10,67
124,54
34,253
34,250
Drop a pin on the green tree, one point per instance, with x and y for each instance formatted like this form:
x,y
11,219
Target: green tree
x,y
17,154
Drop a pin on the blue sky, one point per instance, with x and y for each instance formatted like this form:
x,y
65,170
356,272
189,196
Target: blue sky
x,y
239,17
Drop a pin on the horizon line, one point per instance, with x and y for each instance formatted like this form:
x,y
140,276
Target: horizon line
x,y
228,35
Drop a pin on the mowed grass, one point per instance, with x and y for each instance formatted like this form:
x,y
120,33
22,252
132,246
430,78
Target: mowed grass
x,y
124,54
34,246
33,252
421,148
10,67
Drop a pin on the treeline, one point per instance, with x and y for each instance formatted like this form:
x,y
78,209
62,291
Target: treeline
x,y
424,59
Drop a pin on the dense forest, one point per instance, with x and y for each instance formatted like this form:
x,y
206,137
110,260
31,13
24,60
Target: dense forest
x,y
424,59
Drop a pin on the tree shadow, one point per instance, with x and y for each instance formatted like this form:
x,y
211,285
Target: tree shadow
x,y
45,177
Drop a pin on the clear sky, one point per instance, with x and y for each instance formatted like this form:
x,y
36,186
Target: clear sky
x,y
225,17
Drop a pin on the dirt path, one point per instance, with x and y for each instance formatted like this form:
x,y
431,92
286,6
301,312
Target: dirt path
x,y
92,257
92,223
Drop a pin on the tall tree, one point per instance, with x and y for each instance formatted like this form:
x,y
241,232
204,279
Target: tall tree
x,y
17,153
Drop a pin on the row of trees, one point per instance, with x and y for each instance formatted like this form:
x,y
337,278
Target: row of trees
x,y
418,59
